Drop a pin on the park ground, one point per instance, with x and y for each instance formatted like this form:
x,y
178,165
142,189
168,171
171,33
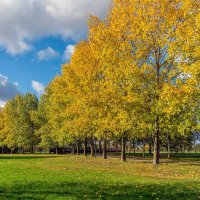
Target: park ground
x,y
52,177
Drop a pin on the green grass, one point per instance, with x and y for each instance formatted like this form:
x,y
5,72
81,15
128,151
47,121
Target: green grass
x,y
38,177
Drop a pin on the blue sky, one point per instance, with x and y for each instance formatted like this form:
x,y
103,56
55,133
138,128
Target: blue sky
x,y
37,37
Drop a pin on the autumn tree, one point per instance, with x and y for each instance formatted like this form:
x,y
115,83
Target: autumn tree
x,y
18,128
9,135
40,119
81,80
162,42
29,104
2,138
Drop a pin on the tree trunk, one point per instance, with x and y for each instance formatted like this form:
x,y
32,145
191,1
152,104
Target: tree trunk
x,y
85,147
183,148
73,149
123,152
78,148
129,149
95,147
22,150
2,150
195,150
143,151
104,149
31,148
109,144
92,146
156,156
156,152
134,147
177,149
116,147
100,147
168,149
150,148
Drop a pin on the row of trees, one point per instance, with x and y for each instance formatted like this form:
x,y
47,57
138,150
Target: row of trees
x,y
24,127
137,76
16,127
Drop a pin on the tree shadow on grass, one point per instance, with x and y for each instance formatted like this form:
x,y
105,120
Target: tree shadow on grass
x,y
89,190
19,157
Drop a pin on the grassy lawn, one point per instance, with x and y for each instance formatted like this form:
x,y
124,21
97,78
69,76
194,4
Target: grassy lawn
x,y
53,177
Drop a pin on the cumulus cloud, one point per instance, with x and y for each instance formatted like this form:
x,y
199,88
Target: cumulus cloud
x,y
8,90
47,54
23,21
68,52
16,84
2,103
38,87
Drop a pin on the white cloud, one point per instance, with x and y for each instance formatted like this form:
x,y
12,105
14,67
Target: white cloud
x,y
38,87
3,80
16,84
47,54
68,52
2,103
23,21
8,90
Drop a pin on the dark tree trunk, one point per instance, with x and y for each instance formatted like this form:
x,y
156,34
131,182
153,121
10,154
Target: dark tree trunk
x,y
104,149
168,149
95,147
143,151
85,147
116,147
156,156
32,148
73,149
78,147
32,143
134,147
129,149
123,152
183,148
100,147
195,150
22,150
92,146
56,150
109,144
2,150
150,148
177,149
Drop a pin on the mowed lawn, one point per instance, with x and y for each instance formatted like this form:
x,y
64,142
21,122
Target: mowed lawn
x,y
34,177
